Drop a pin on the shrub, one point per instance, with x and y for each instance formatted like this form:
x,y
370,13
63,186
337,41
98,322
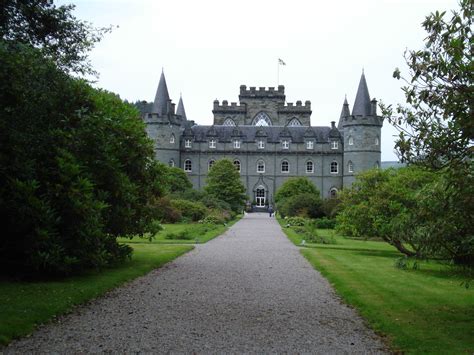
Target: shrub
x,y
191,210
183,235
330,207
166,212
302,205
325,223
295,186
213,219
295,221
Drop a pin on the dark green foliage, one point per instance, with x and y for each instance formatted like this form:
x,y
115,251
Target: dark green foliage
x,y
76,169
166,212
54,30
303,205
194,232
223,183
295,186
177,180
295,221
325,223
330,207
193,211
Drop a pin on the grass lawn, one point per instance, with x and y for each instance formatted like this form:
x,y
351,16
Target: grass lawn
x,y
420,311
200,235
23,305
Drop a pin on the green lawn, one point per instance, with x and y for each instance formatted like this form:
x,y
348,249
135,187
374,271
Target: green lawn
x,y
201,233
420,311
23,305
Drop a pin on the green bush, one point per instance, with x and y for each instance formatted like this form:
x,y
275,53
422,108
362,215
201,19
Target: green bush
x,y
302,205
325,223
183,235
213,219
166,212
295,186
193,211
295,221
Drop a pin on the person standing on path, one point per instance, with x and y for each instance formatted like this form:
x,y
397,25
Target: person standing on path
x,y
270,210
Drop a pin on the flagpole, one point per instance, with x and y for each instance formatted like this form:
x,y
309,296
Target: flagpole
x,y
278,72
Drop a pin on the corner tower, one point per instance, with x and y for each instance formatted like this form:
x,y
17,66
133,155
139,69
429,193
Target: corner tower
x,y
164,126
361,132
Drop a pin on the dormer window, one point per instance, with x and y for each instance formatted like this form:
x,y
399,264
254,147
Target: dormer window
x,y
187,143
285,144
172,139
261,144
236,144
334,144
212,143
309,145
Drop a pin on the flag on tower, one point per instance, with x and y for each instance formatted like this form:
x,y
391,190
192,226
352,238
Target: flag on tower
x,y
281,62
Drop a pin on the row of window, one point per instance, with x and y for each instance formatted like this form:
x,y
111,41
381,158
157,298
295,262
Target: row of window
x,y
285,166
285,144
262,119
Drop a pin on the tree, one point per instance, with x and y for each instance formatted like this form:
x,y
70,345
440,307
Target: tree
x,y
295,186
437,128
59,35
302,205
223,183
177,180
383,204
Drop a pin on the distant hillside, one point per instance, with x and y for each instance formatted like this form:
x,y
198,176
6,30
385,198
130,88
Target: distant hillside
x,y
392,164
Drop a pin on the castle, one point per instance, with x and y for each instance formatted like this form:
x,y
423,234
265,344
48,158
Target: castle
x,y
268,140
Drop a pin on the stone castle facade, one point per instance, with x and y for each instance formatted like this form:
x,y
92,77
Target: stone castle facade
x,y
268,140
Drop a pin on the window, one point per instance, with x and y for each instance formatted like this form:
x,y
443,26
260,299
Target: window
x,y
376,142
334,167
309,167
212,143
333,193
309,145
171,163
188,166
351,141
377,165
334,145
285,144
261,144
262,119
260,166
210,164
229,122
237,165
187,143
236,144
172,139
294,122
285,166
350,167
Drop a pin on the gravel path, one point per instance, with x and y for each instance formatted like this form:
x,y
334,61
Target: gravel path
x,y
248,291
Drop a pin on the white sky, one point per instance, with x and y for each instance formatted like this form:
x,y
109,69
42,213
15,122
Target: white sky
x,y
208,48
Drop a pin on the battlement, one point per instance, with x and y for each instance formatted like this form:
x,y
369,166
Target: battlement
x,y
299,107
225,107
362,120
253,92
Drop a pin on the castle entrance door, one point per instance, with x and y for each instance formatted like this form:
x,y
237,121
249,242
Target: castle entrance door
x,y
260,197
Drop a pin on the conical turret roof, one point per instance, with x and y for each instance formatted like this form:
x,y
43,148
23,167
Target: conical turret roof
x,y
344,112
362,101
160,105
180,110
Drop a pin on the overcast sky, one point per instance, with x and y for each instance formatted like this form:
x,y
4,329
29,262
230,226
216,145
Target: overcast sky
x,y
208,48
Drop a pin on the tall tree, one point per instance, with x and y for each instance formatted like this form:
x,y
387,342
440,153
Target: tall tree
x,y
223,183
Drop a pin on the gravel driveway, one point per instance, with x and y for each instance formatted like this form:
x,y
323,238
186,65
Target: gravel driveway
x,y
248,291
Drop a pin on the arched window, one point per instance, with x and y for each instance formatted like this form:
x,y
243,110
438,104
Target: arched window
x,y
262,119
188,165
376,141
172,138
377,165
210,164
237,165
351,140
334,167
171,163
285,166
350,167
229,122
260,166
333,192
294,122
309,166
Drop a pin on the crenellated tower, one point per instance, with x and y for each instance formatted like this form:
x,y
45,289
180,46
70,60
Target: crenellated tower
x,y
361,131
